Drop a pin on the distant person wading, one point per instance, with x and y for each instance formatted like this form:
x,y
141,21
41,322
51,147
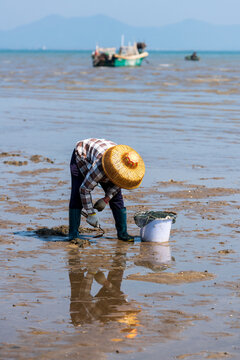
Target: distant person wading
x,y
100,161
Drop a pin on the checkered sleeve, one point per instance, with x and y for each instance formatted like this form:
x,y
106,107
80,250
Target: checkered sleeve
x,y
112,190
93,177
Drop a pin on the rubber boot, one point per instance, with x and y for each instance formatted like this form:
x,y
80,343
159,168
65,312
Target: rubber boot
x,y
120,217
74,223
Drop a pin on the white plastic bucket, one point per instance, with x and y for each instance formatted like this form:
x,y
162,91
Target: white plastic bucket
x,y
156,231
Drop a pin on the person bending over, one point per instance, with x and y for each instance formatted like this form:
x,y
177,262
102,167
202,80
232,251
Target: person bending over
x,y
100,161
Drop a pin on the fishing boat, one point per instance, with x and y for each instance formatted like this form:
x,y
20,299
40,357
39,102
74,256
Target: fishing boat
x,y
130,55
193,57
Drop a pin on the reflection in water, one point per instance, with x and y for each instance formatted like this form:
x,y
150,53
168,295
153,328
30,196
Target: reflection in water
x,y
110,303
155,256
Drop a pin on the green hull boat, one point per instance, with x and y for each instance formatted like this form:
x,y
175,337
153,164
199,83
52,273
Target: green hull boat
x,y
131,55
128,62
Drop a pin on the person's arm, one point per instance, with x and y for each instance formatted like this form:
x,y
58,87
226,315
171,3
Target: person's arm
x,y
93,177
110,192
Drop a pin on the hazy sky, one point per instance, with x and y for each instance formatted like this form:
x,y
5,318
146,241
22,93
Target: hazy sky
x,y
133,12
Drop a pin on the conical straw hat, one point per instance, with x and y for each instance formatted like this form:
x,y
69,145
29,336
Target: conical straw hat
x,y
123,166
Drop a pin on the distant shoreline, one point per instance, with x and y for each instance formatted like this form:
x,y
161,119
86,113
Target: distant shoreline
x,y
90,50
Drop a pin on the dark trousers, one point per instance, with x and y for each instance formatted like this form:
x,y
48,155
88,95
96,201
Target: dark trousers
x,y
75,200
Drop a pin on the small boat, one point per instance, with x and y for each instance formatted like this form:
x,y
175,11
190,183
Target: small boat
x,y
192,57
130,55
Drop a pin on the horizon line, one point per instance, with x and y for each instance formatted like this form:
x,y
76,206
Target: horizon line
x,y
90,50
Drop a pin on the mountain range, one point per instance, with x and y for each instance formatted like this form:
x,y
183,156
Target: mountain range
x,y
83,33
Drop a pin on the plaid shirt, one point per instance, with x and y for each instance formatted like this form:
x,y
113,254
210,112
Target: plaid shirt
x,y
89,154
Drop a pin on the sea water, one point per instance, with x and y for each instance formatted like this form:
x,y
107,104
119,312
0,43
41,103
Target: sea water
x,y
59,301
177,114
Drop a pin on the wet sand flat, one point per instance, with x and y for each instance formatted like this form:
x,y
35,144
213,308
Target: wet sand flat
x,y
102,297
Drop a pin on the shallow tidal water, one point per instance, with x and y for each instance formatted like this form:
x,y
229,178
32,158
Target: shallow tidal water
x,y
113,300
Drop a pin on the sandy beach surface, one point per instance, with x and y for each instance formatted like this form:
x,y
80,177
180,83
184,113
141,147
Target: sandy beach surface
x,y
103,298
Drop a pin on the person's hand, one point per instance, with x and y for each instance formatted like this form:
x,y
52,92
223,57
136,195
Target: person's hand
x,y
100,204
92,220
74,170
